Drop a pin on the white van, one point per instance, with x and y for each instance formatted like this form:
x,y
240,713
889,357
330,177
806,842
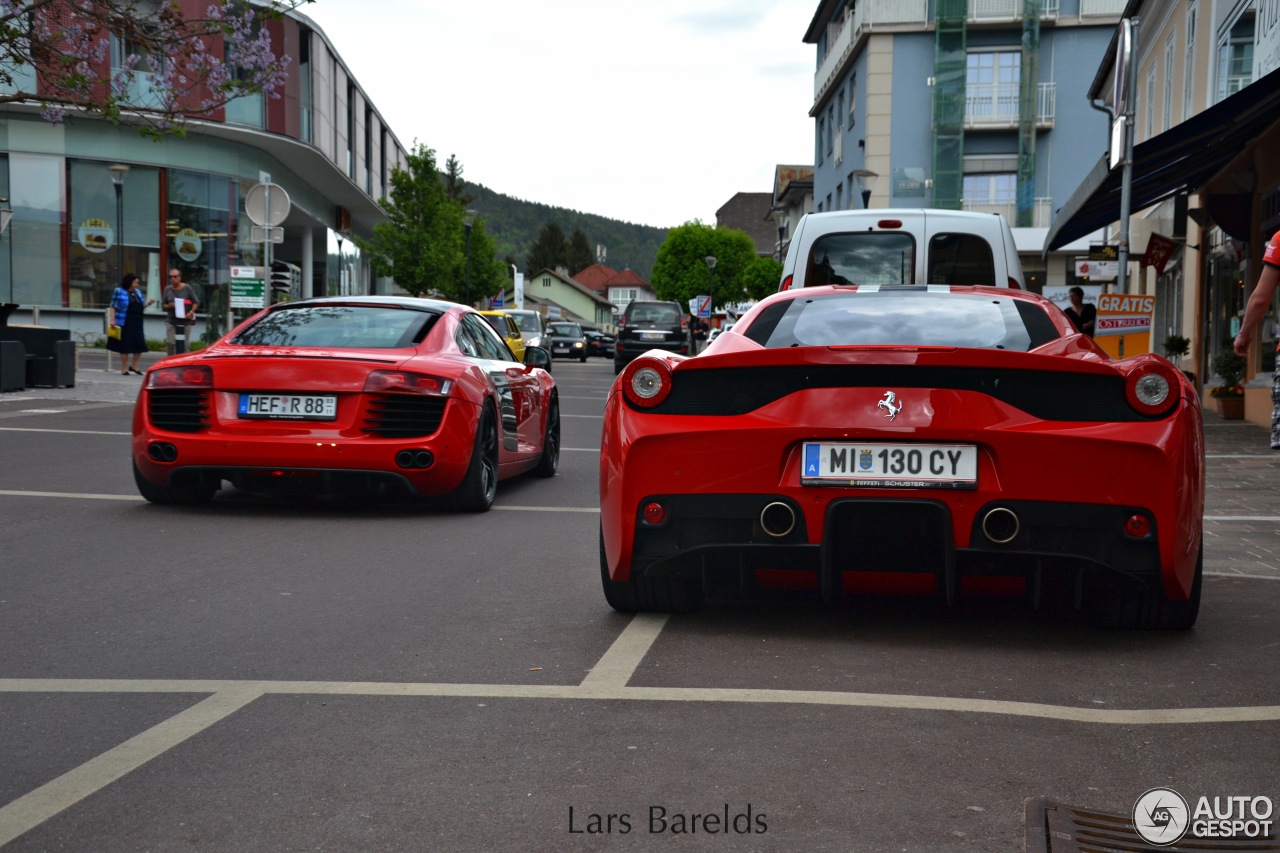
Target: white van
x,y
902,246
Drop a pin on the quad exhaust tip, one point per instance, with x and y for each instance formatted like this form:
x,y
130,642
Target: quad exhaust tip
x,y
1001,525
778,519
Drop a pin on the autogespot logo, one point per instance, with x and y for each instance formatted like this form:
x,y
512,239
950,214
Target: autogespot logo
x,y
1160,816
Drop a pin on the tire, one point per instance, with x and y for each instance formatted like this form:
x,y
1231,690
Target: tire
x,y
550,461
617,367
584,358
1121,607
650,595
480,484
171,495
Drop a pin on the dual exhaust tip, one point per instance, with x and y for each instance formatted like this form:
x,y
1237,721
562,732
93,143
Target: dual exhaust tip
x,y
1000,525
415,459
162,451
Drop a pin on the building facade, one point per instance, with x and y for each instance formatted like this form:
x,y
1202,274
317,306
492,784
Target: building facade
x,y
959,104
181,200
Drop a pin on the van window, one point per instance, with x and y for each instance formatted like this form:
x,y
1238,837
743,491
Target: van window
x,y
873,257
960,259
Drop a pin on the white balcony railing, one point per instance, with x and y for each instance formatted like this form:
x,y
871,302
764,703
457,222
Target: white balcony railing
x,y
1042,212
1102,8
995,106
989,11
844,32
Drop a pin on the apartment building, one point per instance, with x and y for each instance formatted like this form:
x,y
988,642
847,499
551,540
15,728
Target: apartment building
x,y
1203,176
976,105
181,200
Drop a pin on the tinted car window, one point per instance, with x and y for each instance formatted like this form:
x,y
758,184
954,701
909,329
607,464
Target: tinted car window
x,y
960,259
360,326
874,257
658,313
907,317
488,343
527,321
569,330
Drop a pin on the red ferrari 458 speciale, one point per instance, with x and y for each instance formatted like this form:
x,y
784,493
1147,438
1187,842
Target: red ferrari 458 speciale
x,y
921,439
366,395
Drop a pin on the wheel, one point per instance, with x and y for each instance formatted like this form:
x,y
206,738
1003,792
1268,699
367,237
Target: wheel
x,y
617,367
584,358
654,595
550,460
1121,607
480,484
171,494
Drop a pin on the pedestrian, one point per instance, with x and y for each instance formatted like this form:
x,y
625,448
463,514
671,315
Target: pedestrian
x,y
176,290
700,329
1255,310
1084,316
125,312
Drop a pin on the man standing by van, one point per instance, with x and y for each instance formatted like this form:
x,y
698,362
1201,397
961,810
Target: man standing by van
x,y
180,304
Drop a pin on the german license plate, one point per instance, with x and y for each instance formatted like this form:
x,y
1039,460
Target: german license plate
x,y
318,407
890,465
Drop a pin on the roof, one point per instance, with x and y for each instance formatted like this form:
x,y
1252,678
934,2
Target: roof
x,y
595,276
1182,159
627,278
749,212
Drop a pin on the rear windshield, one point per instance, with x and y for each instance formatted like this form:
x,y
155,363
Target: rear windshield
x,y
568,330
887,258
659,314
360,326
916,316
499,324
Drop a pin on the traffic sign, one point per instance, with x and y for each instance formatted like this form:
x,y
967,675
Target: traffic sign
x,y
263,234
266,204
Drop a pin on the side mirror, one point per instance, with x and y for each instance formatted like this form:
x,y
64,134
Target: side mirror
x,y
537,357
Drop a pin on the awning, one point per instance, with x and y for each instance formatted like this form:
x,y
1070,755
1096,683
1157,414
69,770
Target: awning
x,y
1182,159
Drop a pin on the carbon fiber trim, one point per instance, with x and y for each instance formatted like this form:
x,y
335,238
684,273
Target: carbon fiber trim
x,y
1046,395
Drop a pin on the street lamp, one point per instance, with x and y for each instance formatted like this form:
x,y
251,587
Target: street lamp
x,y
468,220
866,180
119,172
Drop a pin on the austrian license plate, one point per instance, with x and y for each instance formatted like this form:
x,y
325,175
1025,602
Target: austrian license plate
x,y
891,465
319,407
653,336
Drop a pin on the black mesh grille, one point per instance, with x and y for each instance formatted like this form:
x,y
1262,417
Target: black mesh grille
x,y
404,416
1043,394
178,410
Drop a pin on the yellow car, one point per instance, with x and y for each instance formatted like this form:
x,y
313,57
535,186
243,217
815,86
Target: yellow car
x,y
507,327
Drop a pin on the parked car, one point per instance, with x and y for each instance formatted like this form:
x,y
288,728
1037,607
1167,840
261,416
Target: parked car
x,y
565,340
718,331
924,440
902,246
508,329
650,325
348,394
598,343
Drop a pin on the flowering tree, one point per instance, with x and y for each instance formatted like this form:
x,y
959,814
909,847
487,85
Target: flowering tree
x,y
141,63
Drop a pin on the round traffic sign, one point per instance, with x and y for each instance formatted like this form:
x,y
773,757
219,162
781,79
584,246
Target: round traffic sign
x,y
266,204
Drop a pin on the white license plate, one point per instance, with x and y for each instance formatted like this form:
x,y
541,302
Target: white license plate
x,y
319,407
892,465
653,336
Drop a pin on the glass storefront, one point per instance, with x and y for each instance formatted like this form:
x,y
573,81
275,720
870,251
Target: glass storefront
x,y
198,226
106,237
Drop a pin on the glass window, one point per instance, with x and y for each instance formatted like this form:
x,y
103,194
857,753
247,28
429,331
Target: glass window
x,y
908,317
100,247
488,343
140,81
881,257
346,326
1235,57
992,86
960,259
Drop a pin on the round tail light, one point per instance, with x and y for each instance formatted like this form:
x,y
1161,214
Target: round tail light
x,y
646,382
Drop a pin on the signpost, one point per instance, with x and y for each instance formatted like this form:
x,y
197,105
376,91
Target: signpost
x,y
248,287
267,206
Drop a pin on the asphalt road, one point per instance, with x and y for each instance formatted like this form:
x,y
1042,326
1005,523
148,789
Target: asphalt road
x,y
318,675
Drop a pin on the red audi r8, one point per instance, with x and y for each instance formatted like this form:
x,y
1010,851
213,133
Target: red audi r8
x,y
922,439
351,394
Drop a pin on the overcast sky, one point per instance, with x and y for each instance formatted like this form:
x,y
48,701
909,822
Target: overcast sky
x,y
652,111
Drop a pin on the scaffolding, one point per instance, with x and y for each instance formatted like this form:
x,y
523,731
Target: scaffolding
x,y
949,69
1027,102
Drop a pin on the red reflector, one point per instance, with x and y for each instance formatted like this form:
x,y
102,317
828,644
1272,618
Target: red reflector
x,y
654,513
1137,526
786,283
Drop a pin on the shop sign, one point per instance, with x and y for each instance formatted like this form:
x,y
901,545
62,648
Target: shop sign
x,y
187,244
96,235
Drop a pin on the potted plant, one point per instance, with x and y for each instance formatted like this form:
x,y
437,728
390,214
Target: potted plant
x,y
1175,347
1229,396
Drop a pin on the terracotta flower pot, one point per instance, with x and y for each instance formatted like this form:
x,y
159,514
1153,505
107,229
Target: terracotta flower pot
x,y
1230,408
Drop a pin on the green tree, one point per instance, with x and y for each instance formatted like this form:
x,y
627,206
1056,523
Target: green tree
x,y
454,186
579,254
680,271
762,277
549,251
422,242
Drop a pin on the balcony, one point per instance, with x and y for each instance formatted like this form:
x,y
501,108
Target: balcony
x,y
995,106
845,33
1102,8
1006,11
1042,212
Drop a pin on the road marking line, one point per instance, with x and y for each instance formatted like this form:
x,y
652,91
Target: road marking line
x,y
604,691
620,661
37,806
595,417
1241,575
588,509
1271,518
82,496
63,431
